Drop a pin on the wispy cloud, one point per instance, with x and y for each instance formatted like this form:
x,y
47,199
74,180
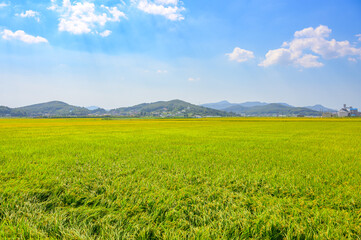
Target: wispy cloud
x,y
192,79
240,55
106,33
311,40
4,5
170,9
30,14
22,36
85,17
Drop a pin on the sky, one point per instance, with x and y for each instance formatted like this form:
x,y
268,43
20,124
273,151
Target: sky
x,y
116,53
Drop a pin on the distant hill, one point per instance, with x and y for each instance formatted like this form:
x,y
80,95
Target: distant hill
x,y
280,109
168,108
91,108
321,108
54,108
5,111
225,104
218,105
272,109
238,109
263,109
252,104
174,108
285,104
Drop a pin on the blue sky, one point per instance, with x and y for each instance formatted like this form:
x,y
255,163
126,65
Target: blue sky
x,y
114,53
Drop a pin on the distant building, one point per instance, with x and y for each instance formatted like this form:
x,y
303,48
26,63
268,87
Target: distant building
x,y
343,113
354,112
348,112
329,115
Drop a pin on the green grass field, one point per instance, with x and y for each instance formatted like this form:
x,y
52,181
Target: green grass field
x,y
176,179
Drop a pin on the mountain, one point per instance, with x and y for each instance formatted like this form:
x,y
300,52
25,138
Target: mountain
x,y
252,104
54,108
91,108
94,110
168,108
280,109
285,104
218,105
5,111
321,108
173,108
272,109
225,104
262,109
238,109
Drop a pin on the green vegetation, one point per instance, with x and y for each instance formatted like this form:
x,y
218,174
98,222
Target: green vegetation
x,y
174,108
55,108
223,178
273,109
170,108
4,111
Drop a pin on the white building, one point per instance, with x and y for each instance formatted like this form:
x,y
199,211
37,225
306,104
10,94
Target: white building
x,y
343,113
348,112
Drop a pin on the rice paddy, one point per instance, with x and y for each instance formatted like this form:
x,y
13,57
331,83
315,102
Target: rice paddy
x,y
226,178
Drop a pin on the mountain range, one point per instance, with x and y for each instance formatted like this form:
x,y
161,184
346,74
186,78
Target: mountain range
x,y
265,109
91,108
321,108
173,108
225,104
54,108
176,108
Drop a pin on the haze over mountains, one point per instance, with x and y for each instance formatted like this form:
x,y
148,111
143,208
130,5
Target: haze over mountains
x,y
173,108
225,104
268,109
319,107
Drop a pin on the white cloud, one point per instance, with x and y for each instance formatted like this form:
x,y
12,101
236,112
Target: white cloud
x,y
53,6
321,31
240,55
106,33
82,17
309,61
191,79
281,56
167,2
30,14
162,71
352,59
310,40
22,36
170,9
3,5
114,11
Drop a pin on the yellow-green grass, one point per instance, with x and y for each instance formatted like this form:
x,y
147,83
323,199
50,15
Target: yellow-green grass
x,y
173,179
